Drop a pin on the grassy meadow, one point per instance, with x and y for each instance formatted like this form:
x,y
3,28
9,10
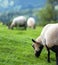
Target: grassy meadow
x,y
16,47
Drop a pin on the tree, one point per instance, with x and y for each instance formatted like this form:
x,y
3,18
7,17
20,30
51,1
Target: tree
x,y
45,15
48,14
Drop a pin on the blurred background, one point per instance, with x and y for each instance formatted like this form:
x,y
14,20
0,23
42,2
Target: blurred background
x,y
44,11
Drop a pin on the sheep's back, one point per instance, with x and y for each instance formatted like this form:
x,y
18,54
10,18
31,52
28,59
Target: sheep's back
x,y
30,21
19,20
49,35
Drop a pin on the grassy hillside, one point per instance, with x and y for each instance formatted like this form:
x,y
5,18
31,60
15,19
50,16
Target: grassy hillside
x,y
16,47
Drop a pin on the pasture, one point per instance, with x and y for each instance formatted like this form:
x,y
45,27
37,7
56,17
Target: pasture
x,y
16,47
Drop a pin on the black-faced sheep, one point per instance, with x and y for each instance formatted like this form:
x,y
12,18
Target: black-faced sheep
x,y
19,21
31,23
49,39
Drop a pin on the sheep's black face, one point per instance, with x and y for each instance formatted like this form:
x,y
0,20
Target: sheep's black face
x,y
37,53
37,48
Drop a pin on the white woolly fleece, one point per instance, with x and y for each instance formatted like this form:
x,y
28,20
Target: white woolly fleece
x,y
19,20
30,22
49,35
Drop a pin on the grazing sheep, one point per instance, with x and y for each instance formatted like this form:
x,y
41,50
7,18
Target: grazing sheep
x,y
19,21
31,22
49,39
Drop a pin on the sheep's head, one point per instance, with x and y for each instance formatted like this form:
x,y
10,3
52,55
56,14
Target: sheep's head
x,y
9,25
37,47
12,26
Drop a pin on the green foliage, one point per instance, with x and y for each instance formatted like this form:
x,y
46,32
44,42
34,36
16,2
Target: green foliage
x,y
46,15
16,47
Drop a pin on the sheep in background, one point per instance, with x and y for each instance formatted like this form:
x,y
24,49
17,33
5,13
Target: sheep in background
x,y
49,39
31,22
18,21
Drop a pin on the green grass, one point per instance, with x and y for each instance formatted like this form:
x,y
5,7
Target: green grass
x,y
16,47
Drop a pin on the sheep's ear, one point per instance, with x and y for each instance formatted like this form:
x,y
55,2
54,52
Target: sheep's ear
x,y
33,41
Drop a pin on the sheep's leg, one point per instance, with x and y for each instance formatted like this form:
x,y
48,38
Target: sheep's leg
x,y
34,26
56,58
25,26
48,55
48,59
55,49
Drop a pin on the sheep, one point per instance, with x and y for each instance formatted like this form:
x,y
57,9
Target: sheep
x,y
49,39
19,21
31,22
